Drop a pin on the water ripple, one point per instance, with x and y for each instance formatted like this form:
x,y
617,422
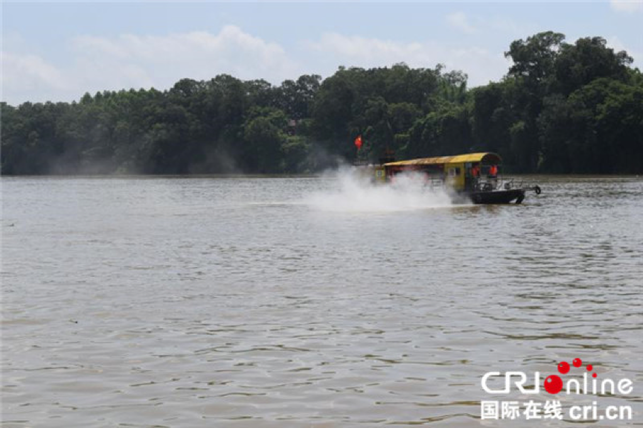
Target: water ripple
x,y
235,302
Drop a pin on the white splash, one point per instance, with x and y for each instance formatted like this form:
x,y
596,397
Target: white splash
x,y
356,192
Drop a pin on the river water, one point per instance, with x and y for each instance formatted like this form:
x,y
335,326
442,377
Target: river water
x,y
311,302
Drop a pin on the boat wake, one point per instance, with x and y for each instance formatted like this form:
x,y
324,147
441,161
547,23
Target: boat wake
x,y
352,191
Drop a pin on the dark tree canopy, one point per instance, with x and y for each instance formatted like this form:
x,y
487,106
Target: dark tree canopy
x,y
561,108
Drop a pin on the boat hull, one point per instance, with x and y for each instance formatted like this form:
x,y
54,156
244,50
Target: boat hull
x,y
497,196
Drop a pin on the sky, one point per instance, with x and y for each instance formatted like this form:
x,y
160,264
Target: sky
x,y
54,51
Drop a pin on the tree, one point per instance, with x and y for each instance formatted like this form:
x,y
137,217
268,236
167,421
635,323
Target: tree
x,y
296,97
587,60
534,58
263,139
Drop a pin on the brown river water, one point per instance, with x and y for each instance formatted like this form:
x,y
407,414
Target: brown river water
x,y
312,302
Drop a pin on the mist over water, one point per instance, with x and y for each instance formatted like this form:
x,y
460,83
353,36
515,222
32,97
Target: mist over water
x,y
353,191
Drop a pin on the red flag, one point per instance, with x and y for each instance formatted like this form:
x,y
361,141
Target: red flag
x,y
358,142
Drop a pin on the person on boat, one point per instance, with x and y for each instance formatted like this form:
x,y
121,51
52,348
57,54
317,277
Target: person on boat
x,y
475,171
493,171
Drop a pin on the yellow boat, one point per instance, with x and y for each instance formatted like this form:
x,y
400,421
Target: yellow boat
x,y
475,176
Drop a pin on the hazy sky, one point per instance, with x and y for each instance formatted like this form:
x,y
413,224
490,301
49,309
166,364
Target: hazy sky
x,y
58,51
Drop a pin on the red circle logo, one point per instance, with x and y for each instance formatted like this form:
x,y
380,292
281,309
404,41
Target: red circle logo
x,y
553,384
563,367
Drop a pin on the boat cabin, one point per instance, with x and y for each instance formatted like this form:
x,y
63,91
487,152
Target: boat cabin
x,y
462,172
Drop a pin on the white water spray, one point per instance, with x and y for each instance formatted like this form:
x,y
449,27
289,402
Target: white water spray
x,y
355,192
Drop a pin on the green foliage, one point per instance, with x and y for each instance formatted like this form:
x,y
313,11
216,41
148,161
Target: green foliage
x,y
589,59
561,108
263,137
534,59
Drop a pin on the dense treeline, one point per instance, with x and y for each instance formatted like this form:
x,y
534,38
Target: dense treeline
x,y
561,108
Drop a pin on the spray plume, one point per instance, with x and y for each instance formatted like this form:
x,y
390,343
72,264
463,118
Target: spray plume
x,y
353,191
